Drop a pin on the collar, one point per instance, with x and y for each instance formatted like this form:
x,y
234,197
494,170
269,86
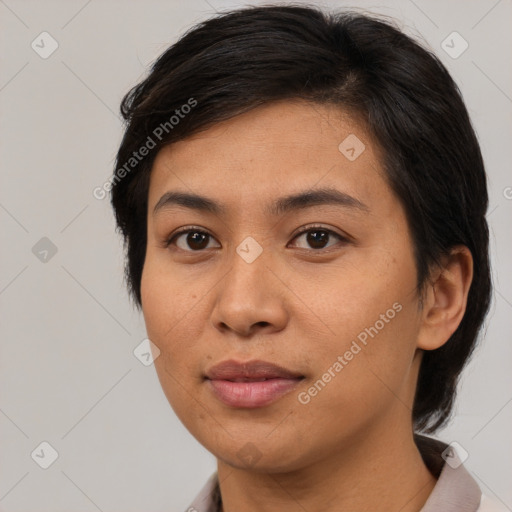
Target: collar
x,y
455,490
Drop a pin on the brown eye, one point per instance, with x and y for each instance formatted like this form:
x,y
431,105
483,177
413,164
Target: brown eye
x,y
191,240
318,238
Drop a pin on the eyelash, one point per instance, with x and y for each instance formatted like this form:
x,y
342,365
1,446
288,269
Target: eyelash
x,y
306,229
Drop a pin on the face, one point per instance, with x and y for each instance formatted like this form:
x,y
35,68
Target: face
x,y
322,285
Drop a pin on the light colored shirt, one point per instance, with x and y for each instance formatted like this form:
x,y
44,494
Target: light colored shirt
x,y
455,490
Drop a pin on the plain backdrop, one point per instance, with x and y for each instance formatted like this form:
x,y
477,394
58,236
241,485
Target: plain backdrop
x,y
68,374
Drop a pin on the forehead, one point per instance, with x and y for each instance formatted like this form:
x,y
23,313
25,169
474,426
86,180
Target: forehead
x,y
273,150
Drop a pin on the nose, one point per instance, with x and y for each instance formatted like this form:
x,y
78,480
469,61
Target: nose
x,y
250,300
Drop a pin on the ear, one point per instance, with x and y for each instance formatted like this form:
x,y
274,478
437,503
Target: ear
x,y
445,298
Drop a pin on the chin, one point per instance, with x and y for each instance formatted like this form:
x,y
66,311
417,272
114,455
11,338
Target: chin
x,y
259,456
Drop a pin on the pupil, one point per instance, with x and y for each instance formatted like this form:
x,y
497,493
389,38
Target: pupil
x,y
317,238
197,238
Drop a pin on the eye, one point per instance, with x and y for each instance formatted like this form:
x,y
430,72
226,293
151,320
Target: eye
x,y
195,241
317,237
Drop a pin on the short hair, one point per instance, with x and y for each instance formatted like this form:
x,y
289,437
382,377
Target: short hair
x,y
244,58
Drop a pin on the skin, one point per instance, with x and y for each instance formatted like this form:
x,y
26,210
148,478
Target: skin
x,y
298,305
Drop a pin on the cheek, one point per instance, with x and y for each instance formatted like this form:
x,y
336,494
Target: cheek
x,y
361,378
174,305
168,311
166,307
373,319
168,297
157,306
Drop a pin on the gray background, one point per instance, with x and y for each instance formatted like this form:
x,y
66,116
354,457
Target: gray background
x,y
68,375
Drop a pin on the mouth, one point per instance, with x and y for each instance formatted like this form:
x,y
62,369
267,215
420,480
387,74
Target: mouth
x,y
249,370
249,380
250,394
250,384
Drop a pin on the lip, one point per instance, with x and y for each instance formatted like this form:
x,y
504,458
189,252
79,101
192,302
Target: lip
x,y
254,369
241,384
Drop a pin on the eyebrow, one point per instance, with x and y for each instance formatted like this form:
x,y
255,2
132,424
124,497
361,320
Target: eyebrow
x,y
282,205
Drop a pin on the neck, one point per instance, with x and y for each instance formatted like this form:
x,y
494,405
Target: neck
x,y
384,472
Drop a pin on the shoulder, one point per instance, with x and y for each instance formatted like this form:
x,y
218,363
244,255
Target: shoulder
x,y
490,505
208,499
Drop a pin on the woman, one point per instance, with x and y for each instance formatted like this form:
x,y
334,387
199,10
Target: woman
x,y
303,202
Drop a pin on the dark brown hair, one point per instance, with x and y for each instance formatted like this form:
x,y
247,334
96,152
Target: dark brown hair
x,y
238,60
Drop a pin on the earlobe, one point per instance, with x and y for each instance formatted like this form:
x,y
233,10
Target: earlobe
x,y
445,299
